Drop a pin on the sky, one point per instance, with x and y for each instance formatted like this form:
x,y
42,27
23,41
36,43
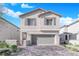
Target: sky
x,y
69,11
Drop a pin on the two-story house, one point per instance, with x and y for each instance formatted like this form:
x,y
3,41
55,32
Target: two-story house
x,y
39,27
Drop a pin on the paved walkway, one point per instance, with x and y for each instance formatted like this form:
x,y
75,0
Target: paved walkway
x,y
45,51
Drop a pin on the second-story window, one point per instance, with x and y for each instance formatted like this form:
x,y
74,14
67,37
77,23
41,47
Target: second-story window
x,y
30,21
50,21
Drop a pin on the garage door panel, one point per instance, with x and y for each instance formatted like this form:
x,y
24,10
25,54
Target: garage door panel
x,y
45,40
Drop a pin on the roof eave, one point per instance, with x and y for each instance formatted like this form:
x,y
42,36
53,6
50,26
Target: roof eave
x,y
9,22
49,12
32,11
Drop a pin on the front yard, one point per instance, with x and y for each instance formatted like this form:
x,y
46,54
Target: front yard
x,y
7,49
12,50
72,48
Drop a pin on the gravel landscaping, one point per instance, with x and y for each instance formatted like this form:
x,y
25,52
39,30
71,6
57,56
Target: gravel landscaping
x,y
45,51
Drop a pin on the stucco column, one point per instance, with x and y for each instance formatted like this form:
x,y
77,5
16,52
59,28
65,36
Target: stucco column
x,y
68,37
57,41
24,43
28,39
24,40
20,38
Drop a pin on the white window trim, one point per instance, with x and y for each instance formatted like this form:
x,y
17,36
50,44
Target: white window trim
x,y
26,22
53,20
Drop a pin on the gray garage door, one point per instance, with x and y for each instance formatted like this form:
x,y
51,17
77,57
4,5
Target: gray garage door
x,y
43,40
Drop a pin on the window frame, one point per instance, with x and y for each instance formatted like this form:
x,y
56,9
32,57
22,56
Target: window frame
x,y
53,22
47,22
28,23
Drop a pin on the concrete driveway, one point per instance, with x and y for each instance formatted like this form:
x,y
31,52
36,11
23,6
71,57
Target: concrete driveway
x,y
45,51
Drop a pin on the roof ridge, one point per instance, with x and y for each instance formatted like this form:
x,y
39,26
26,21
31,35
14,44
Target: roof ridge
x,y
54,12
8,21
70,24
32,11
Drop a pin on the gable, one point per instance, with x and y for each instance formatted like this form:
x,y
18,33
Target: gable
x,y
49,13
36,11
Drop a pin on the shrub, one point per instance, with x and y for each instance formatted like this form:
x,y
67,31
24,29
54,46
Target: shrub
x,y
14,48
5,52
77,45
3,44
72,47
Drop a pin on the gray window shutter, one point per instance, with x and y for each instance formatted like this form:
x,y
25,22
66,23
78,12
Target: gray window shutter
x,y
54,20
25,21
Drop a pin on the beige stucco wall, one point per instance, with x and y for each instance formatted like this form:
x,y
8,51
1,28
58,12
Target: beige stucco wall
x,y
74,28
63,29
8,31
40,23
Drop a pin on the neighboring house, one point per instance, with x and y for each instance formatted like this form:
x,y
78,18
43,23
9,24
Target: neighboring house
x,y
69,32
8,31
39,27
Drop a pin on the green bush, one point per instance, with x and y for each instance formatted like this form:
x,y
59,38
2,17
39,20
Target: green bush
x,y
3,44
77,45
72,47
14,48
70,44
5,52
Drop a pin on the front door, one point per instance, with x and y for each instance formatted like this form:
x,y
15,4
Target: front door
x,y
34,40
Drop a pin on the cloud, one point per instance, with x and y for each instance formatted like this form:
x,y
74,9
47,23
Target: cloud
x,y
26,6
18,13
78,15
66,20
11,12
